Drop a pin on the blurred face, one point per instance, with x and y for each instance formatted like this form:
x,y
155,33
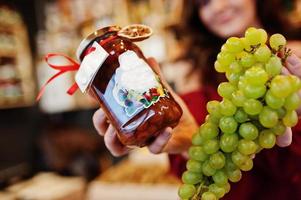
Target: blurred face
x,y
228,17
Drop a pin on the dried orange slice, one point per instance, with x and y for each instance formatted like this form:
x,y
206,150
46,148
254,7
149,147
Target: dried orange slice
x,y
136,32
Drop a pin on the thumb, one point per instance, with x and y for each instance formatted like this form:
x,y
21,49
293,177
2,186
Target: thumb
x,y
155,66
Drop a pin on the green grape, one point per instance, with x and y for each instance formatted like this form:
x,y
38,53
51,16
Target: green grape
x,y
248,131
292,102
211,146
209,130
281,86
220,178
241,116
197,139
228,143
229,165
267,139
246,44
281,112
247,165
227,187
208,196
224,48
234,45
207,169
252,36
279,129
272,101
256,76
290,119
258,124
194,166
228,125
217,160
189,177
263,36
219,68
254,91
238,98
268,117
295,82
259,148
255,36
238,158
234,175
186,191
259,65
197,153
213,107
227,108
225,58
246,147
225,90
235,67
242,83
252,106
233,77
262,54
273,66
217,190
247,60
277,41
212,119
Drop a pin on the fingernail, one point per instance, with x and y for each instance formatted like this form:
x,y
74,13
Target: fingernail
x,y
293,59
167,132
283,140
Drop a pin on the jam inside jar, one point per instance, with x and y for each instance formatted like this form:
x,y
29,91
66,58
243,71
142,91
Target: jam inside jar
x,y
128,90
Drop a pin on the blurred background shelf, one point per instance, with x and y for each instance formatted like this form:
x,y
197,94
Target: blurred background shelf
x,y
17,85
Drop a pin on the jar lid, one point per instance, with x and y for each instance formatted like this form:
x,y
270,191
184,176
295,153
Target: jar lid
x,y
86,41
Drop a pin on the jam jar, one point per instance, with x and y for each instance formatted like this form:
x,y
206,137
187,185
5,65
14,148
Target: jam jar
x,y
115,72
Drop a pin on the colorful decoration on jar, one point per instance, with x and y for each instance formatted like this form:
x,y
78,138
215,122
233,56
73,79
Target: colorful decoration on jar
x,y
136,85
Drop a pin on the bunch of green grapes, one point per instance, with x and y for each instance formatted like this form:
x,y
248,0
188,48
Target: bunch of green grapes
x,y
258,104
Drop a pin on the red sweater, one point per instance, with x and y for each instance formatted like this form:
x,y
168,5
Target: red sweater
x,y
277,172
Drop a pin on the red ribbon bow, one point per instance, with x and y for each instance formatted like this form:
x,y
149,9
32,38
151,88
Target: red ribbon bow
x,y
74,66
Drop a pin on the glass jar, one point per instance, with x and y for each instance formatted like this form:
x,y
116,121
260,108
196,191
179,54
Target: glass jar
x,y
128,90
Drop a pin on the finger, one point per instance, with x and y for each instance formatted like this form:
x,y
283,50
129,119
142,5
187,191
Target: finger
x,y
158,145
100,121
185,155
299,109
154,65
285,139
285,71
113,144
293,64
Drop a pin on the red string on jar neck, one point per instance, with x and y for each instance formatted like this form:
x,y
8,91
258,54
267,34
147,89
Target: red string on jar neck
x,y
73,66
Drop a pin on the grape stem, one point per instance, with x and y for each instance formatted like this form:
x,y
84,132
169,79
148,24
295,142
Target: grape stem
x,y
201,189
287,53
253,48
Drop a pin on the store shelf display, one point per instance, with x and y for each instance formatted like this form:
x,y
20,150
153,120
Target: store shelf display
x,y
16,71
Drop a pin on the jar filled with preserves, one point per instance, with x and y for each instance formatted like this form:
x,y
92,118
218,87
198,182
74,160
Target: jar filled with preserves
x,y
115,72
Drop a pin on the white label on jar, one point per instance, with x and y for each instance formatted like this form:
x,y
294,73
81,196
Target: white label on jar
x,y
136,85
90,66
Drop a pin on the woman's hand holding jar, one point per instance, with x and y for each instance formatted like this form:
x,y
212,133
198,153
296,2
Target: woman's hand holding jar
x,y
169,140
